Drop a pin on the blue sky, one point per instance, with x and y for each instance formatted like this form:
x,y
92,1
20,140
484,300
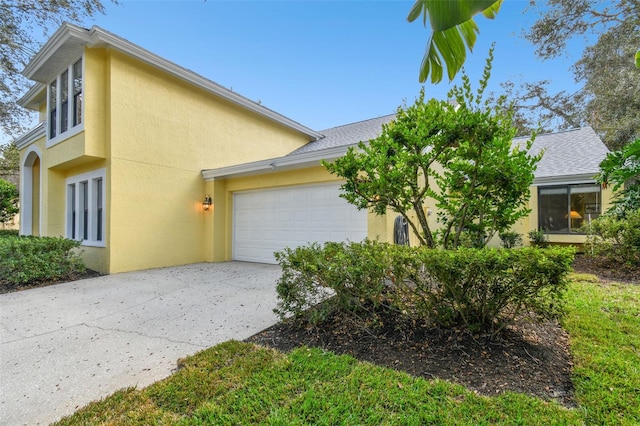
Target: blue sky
x,y
321,63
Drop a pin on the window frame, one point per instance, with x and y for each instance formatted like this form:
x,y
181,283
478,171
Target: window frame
x,y
55,134
85,207
568,193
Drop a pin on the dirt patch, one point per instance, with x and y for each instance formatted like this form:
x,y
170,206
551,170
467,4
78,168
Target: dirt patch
x,y
607,271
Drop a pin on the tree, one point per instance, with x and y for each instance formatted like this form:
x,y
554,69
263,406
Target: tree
x,y
610,100
9,161
453,32
620,168
19,42
459,156
535,109
8,201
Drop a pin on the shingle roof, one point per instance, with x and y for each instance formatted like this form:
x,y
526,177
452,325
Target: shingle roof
x,y
348,134
571,152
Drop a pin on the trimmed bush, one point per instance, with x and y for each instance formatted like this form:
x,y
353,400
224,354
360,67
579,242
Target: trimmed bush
x,y
488,289
510,239
353,273
8,233
481,289
617,239
29,260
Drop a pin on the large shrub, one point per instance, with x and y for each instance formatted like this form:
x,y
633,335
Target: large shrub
x,y
29,260
353,273
8,201
616,238
482,289
488,289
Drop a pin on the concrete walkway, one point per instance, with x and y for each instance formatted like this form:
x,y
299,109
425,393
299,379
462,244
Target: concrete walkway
x,y
66,345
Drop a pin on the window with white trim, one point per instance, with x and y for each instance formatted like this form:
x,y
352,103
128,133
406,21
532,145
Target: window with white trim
x,y
64,101
85,208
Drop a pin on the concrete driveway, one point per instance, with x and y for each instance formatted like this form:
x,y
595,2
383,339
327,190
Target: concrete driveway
x,y
66,345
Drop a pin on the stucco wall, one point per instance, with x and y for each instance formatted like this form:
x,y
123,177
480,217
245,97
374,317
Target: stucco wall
x,y
163,133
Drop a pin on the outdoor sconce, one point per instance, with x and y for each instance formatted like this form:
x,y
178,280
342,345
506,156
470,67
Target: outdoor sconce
x,y
206,204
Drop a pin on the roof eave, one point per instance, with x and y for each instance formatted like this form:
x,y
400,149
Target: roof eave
x,y
69,39
289,162
565,179
31,136
33,97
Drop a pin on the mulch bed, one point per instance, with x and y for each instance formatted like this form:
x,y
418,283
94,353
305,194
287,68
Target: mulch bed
x,y
10,288
528,358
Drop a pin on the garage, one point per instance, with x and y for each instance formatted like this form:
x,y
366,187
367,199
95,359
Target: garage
x,y
270,220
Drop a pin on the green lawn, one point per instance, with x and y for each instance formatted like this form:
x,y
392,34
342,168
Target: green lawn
x,y
239,383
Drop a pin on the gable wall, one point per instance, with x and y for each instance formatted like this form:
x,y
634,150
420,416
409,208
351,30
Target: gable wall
x,y
163,132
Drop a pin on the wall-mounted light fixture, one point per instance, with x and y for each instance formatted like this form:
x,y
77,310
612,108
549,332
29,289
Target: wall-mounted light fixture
x,y
206,204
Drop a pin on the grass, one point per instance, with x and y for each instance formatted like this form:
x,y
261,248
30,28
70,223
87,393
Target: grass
x,y
239,383
604,328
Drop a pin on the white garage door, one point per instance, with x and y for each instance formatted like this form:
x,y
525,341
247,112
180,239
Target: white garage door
x,y
269,220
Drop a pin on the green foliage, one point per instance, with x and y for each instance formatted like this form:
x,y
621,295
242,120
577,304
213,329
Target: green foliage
x,y
460,157
510,239
538,238
617,239
453,32
485,184
480,289
9,161
488,289
620,168
29,260
609,100
8,233
353,273
604,324
8,201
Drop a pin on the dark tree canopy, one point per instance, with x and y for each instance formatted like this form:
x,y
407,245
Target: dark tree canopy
x,y
8,201
9,162
610,99
22,24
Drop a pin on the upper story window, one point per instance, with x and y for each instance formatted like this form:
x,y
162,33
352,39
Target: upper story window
x,y
64,102
564,209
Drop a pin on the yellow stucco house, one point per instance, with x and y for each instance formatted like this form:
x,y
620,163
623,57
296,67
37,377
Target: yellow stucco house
x,y
151,165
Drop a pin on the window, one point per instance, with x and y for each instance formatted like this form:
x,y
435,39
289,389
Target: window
x,y
65,101
85,208
77,93
53,109
565,209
